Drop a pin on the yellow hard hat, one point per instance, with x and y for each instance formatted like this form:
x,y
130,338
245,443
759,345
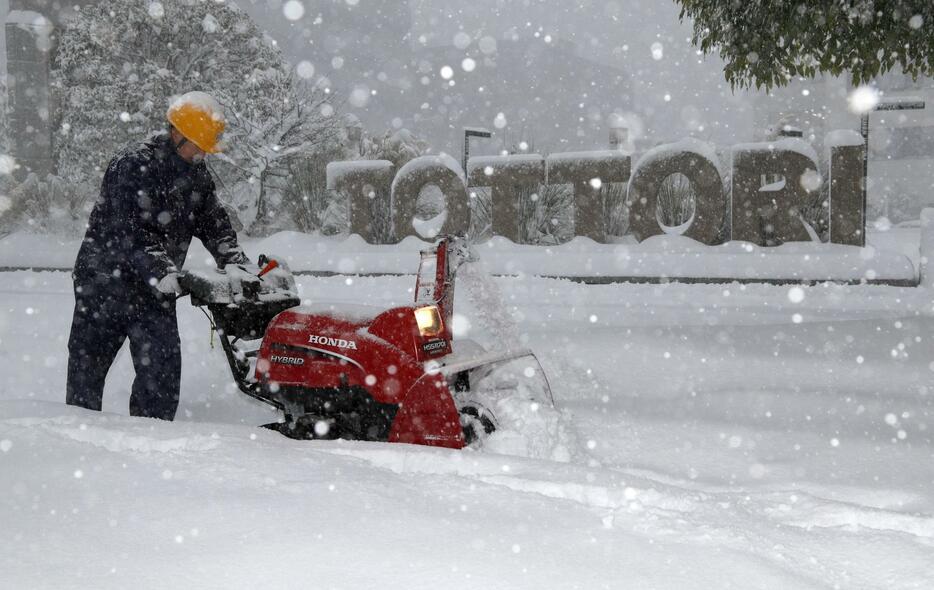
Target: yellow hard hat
x,y
199,118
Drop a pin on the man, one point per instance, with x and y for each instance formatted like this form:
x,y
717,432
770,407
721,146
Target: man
x,y
154,199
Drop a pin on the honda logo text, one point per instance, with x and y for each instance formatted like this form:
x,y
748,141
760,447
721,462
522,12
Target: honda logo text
x,y
335,342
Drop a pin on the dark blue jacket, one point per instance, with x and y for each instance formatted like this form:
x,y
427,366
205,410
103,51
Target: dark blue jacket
x,y
152,203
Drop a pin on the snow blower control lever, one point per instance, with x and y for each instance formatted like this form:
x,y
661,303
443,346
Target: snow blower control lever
x,y
272,265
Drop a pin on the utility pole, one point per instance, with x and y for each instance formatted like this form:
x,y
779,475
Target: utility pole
x,y
472,132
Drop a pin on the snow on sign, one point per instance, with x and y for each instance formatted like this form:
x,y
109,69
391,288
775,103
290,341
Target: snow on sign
x,y
759,196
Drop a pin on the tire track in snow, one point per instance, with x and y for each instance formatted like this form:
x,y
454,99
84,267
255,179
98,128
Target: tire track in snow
x,y
628,493
789,530
117,438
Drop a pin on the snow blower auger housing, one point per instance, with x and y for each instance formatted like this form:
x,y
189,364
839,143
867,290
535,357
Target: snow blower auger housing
x,y
351,371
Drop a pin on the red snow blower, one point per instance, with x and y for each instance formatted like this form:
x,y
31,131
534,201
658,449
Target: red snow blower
x,y
360,372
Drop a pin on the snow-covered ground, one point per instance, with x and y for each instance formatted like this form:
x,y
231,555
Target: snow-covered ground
x,y
721,436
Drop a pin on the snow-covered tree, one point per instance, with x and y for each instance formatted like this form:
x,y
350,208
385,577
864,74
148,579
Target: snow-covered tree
x,y
271,137
766,44
118,63
398,147
546,214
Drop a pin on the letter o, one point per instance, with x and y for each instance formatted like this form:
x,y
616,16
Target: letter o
x,y
647,179
442,171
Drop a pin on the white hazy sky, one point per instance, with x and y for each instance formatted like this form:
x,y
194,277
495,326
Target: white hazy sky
x,y
671,90
664,86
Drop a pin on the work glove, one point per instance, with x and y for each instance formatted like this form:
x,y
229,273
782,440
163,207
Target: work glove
x,y
169,284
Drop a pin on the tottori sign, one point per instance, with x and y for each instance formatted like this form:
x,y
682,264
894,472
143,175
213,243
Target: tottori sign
x,y
756,198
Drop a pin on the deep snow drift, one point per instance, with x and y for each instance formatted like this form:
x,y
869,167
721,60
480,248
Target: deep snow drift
x,y
721,436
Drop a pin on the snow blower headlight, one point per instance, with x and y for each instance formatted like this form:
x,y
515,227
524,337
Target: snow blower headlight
x,y
429,320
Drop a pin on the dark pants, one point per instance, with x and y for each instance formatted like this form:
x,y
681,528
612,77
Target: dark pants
x,y
107,312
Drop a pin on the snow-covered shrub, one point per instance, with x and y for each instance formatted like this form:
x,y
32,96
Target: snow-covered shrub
x,y
895,201
616,210
816,212
676,200
336,217
481,212
546,215
399,147
306,199
52,205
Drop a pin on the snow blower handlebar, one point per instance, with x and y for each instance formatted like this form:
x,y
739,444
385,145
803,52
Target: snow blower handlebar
x,y
237,284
